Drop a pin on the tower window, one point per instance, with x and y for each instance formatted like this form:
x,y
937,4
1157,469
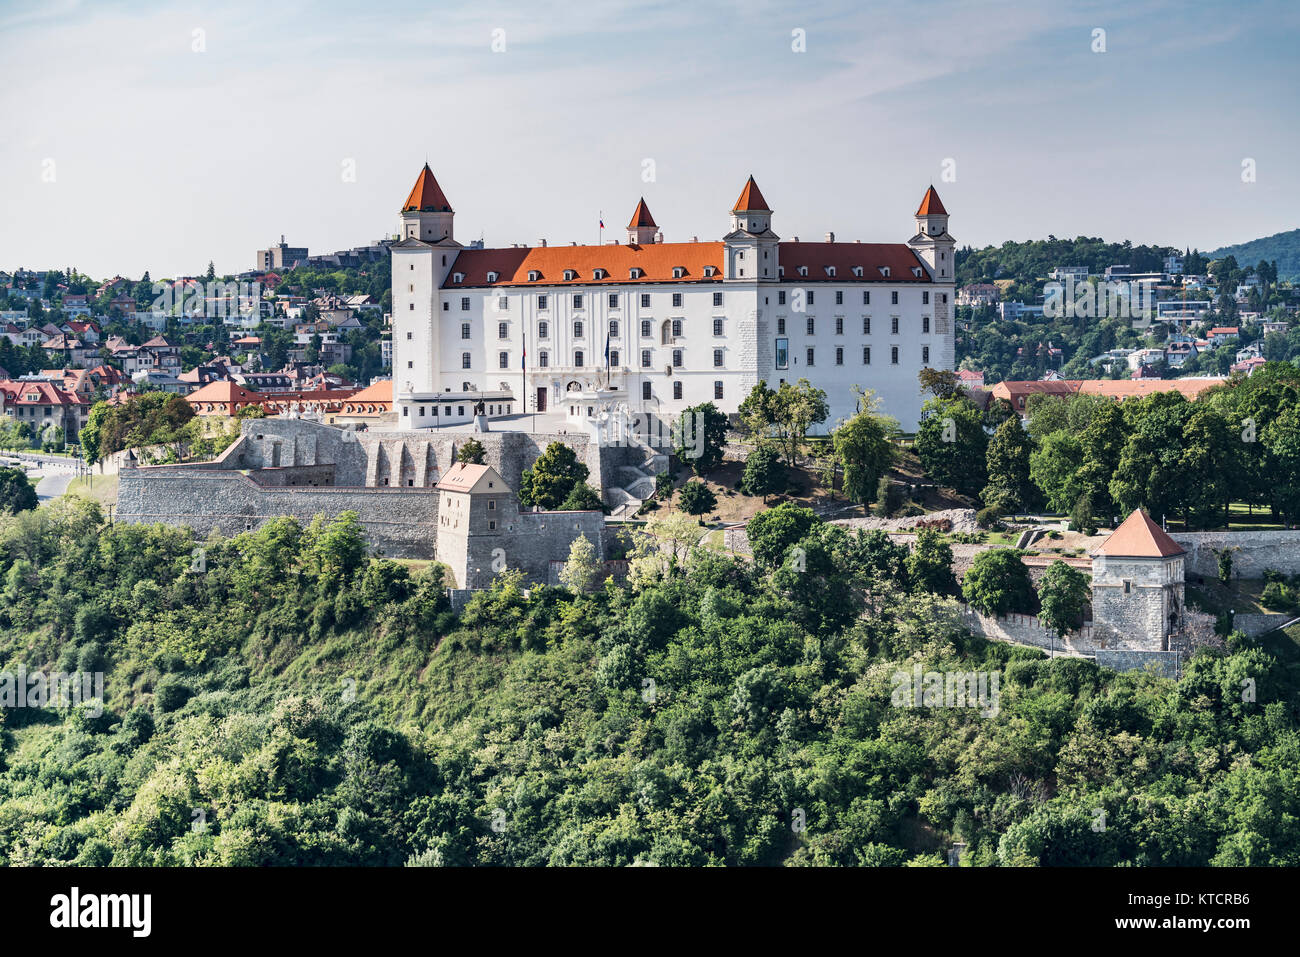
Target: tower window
x,y
925,355
645,390
464,303
645,300
925,324
543,329
677,358
839,355
677,300
503,330
577,329
839,297
717,298
866,355
717,358
503,360
464,330
677,389
893,355
613,300
717,388
464,360
577,359
541,302
811,357
645,358
577,301
893,297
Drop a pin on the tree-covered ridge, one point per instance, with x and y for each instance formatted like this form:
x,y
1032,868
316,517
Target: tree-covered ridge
x,y
282,699
1035,258
1281,248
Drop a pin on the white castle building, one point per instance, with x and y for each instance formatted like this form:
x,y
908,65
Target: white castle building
x,y
649,327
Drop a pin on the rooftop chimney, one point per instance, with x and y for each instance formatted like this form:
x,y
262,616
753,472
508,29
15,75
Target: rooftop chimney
x,y
830,237
542,243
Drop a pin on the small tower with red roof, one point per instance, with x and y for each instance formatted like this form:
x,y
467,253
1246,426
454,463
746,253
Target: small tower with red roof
x,y
1137,583
426,214
641,229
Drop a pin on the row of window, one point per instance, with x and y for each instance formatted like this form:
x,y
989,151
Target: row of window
x,y
810,325
492,409
579,357
671,328
647,391
810,355
809,298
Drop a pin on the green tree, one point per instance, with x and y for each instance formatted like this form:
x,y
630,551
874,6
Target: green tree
x,y
548,483
699,437
696,498
952,445
929,565
1054,469
772,532
764,474
1063,594
863,446
471,453
581,572
1007,462
17,494
998,582
582,498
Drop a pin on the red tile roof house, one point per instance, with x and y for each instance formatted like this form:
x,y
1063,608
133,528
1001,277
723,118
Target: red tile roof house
x,y
40,404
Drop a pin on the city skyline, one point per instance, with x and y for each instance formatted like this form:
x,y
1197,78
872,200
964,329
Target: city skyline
x,y
173,147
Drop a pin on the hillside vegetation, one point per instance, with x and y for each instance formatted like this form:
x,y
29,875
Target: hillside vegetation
x,y
282,698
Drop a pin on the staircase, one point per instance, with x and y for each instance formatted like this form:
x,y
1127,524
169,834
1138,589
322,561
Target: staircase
x,y
632,484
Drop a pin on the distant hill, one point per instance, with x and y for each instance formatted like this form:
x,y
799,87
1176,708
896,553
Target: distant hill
x,y
1282,247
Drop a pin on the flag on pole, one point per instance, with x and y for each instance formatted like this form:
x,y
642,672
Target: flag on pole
x,y
606,348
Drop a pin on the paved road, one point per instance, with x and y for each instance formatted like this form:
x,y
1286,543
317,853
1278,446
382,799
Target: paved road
x,y
51,475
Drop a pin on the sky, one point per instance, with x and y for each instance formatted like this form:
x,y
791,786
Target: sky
x,y
164,136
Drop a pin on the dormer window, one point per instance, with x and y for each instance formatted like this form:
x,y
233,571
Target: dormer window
x,y
916,271
492,276
458,277
534,275
857,271
830,271
635,273
570,274
803,270
679,272
780,272
884,271
712,270
598,274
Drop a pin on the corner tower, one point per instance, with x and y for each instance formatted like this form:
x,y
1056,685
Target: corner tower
x,y
426,214
641,229
751,245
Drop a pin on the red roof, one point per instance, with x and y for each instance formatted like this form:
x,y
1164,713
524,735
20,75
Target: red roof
x,y
426,196
751,200
224,391
898,258
641,216
930,205
658,260
1139,537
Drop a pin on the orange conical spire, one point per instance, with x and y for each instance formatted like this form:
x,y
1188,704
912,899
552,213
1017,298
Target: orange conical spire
x,y
751,200
427,196
930,204
641,217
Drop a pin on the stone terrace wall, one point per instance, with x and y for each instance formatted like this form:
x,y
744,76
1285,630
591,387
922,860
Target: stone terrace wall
x,y
1252,552
401,523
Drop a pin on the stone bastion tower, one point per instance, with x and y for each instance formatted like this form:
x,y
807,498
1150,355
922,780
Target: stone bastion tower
x,y
1137,584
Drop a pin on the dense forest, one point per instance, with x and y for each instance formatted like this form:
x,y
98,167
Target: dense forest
x,y
284,698
1281,248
